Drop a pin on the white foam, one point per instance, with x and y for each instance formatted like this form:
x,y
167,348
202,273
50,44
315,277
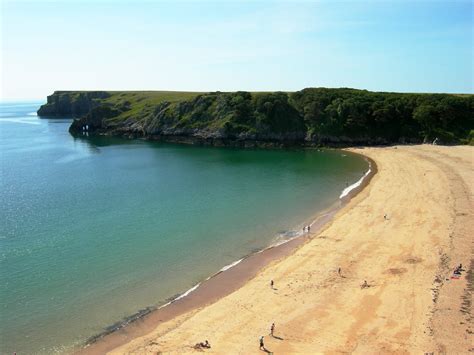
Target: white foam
x,y
194,288
348,189
32,114
283,241
23,121
186,293
227,267
166,304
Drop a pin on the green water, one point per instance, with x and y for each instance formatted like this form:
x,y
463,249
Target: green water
x,y
93,230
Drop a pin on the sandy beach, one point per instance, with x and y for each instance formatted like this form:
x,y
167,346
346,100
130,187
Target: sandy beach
x,y
404,234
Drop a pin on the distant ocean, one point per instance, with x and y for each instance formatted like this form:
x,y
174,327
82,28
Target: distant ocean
x,y
93,230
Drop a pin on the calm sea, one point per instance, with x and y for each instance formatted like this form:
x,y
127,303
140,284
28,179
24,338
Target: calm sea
x,y
93,230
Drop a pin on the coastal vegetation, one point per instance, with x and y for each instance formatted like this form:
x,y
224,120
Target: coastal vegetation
x,y
315,116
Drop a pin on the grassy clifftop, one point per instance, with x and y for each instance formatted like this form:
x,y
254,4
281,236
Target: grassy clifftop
x,y
315,115
77,103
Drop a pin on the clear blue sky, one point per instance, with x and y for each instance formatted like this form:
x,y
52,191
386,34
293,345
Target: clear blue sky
x,y
397,45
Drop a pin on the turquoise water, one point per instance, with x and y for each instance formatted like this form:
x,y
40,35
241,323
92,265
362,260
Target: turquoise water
x,y
93,230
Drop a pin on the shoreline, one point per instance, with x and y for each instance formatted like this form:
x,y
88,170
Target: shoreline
x,y
224,282
378,279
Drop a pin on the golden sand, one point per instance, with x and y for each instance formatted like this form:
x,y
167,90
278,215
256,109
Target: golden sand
x,y
412,304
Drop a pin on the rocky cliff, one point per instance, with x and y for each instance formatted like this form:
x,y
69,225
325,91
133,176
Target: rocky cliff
x,y
310,116
72,103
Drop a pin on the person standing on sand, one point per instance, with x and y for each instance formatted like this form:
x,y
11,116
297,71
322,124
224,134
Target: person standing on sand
x,y
262,345
271,283
272,329
309,229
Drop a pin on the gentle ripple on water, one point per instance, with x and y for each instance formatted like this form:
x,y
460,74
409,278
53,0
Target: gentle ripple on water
x,y
94,230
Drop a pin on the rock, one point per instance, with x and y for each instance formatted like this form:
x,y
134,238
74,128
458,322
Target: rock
x,y
71,103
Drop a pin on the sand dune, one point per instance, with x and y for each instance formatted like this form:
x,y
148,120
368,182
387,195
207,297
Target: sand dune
x,y
412,304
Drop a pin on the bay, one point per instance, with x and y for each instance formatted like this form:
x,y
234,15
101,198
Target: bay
x,y
93,230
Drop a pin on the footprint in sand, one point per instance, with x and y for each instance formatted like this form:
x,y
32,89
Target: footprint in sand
x,y
413,260
396,271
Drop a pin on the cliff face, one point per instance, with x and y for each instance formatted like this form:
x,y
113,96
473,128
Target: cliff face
x,y
71,103
335,117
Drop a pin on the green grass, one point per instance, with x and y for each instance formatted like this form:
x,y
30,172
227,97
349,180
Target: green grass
x,y
143,102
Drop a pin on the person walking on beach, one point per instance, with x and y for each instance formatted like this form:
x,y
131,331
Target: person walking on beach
x,y
309,229
272,329
339,271
262,345
271,283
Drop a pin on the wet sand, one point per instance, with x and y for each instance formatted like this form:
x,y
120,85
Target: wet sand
x,y
412,304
